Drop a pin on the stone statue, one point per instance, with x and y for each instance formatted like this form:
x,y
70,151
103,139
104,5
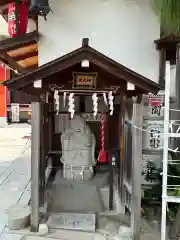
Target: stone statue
x,y
78,150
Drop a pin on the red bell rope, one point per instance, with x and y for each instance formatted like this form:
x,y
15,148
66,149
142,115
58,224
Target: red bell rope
x,y
102,130
102,154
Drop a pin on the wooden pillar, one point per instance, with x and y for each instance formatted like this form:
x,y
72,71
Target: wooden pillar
x,y
121,137
162,66
50,125
35,164
177,94
42,154
176,104
137,121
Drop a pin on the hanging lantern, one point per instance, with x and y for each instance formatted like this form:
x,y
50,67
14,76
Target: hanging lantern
x,y
39,7
17,15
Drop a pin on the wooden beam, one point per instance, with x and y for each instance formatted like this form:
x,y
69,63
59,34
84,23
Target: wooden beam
x,y
5,2
23,50
29,62
12,63
12,43
35,164
4,9
23,57
137,120
166,41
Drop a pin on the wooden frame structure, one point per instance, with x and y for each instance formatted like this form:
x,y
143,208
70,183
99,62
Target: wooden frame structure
x,y
111,76
20,53
4,2
169,50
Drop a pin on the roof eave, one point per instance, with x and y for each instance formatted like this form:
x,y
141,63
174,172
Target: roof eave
x,y
93,56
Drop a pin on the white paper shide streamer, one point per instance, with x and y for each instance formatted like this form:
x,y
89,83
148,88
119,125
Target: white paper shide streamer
x,y
71,105
56,98
111,104
95,104
64,99
105,99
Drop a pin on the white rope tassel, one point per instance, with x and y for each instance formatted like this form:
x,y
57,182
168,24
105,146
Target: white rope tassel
x,y
64,171
47,97
95,103
64,99
82,173
105,99
72,175
71,104
111,105
56,98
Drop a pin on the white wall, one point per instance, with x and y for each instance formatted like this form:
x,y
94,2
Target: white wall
x,y
3,28
31,26
124,30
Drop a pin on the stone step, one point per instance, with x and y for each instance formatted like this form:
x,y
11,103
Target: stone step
x,y
68,235
73,221
77,196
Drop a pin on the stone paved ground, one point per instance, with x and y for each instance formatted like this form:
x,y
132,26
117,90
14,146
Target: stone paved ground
x,y
14,171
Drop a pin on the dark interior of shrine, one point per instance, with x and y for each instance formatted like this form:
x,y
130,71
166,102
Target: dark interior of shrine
x,y
84,108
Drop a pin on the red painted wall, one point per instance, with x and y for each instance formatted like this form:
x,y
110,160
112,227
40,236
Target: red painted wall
x,y
4,93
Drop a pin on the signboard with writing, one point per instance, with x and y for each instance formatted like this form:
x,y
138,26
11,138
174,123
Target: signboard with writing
x,y
15,112
153,135
156,104
151,167
84,80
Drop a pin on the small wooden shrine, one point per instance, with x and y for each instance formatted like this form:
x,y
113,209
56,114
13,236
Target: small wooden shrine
x,y
87,74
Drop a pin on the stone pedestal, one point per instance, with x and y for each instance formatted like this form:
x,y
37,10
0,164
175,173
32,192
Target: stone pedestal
x,y
3,122
78,173
74,196
18,217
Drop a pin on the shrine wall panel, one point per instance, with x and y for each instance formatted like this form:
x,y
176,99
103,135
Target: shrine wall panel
x,y
153,128
116,28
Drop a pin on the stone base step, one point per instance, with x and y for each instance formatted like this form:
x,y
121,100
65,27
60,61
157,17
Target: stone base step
x,y
73,196
73,221
69,235
36,238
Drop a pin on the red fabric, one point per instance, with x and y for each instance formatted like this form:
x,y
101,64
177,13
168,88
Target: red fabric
x,y
23,19
155,103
